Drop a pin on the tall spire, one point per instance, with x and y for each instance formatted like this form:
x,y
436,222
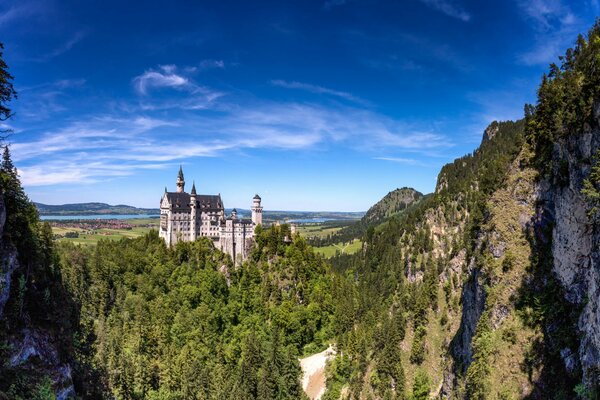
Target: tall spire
x,y
180,181
194,188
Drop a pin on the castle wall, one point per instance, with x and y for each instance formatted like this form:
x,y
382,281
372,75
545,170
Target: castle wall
x,y
186,217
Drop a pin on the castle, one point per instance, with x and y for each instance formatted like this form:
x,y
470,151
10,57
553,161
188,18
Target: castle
x,y
188,216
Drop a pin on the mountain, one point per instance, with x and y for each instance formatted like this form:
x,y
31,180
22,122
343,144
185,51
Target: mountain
x,y
488,289
392,203
92,209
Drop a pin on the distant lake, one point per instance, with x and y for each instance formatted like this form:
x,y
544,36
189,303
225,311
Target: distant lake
x,y
313,220
92,217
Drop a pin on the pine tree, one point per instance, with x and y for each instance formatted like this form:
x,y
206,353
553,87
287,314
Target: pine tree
x,y
421,386
7,91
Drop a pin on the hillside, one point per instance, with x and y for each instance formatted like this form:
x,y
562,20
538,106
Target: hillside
x,y
392,203
92,209
488,288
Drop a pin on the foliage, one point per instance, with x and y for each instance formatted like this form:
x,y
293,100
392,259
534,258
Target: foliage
x,y
183,323
591,187
566,98
421,386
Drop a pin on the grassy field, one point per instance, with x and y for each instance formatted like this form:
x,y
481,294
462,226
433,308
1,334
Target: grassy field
x,y
344,248
141,226
316,230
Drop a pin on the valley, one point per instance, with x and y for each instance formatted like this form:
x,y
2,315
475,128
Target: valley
x,y
486,288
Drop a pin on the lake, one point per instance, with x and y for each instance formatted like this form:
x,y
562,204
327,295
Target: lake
x,y
92,217
312,220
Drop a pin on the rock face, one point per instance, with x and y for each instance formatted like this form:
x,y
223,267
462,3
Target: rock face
x,y
576,240
8,263
32,349
473,301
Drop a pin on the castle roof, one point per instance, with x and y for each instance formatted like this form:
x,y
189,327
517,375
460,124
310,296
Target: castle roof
x,y
256,197
203,201
180,174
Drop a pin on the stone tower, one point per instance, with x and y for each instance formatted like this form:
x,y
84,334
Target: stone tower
x,y
256,210
180,181
193,211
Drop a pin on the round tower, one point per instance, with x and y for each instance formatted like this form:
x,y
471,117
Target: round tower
x,y
180,181
256,210
193,213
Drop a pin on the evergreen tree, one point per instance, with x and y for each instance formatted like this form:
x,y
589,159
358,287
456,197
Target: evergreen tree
x,y
421,386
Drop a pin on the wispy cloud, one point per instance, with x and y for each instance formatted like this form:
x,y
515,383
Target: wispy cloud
x,y
38,102
317,89
165,77
63,47
449,8
211,64
555,25
129,139
401,160
193,96
21,11
107,147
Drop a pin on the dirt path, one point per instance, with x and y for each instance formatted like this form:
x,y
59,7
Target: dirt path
x,y
313,373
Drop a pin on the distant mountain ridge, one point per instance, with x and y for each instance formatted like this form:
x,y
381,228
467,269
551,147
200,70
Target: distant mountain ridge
x,y
93,208
96,208
395,201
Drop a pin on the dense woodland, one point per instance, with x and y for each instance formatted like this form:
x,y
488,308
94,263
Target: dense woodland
x,y
137,320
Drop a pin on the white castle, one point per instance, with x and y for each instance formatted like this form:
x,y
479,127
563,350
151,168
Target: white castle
x,y
188,216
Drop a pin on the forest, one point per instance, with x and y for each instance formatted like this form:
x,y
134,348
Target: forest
x,y
450,296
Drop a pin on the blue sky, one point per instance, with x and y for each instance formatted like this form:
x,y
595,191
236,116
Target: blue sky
x,y
315,105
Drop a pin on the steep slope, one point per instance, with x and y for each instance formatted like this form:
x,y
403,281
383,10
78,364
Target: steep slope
x,y
489,288
36,316
392,203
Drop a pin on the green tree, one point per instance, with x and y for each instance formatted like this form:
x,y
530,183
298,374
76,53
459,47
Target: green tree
x,y
421,385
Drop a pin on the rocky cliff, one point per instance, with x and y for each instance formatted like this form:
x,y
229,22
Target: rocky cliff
x,y
575,239
32,350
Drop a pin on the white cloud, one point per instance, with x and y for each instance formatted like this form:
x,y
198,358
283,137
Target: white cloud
x,y
317,89
64,47
401,160
105,147
556,27
448,8
21,11
211,64
166,78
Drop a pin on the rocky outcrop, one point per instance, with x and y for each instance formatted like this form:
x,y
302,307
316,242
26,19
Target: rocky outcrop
x,y
8,261
33,350
576,240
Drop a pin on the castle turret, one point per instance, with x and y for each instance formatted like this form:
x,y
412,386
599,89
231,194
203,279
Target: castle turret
x,y
256,210
234,214
193,213
180,181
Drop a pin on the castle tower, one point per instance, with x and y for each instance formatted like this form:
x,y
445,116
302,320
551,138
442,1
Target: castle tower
x,y
180,181
256,210
234,214
193,221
